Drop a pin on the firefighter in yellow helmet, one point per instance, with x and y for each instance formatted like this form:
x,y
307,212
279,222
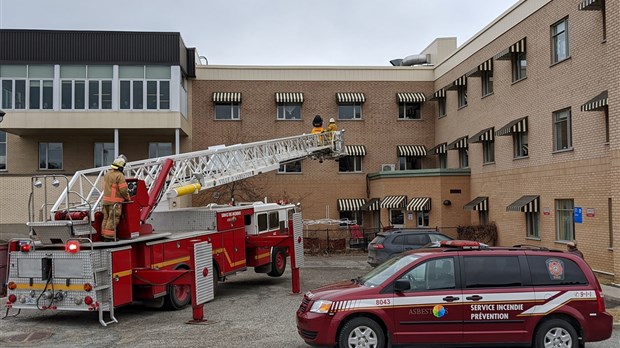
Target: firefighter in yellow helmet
x,y
331,127
114,191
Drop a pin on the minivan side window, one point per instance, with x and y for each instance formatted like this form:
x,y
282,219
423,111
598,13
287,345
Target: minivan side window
x,y
418,239
398,240
552,270
491,271
432,275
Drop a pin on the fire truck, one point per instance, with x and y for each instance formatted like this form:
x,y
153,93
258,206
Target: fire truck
x,y
164,255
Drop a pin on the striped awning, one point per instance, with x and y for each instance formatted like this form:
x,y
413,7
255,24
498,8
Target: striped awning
x,y
355,150
227,97
419,204
596,103
461,81
353,204
371,205
479,203
516,126
416,97
517,47
460,143
590,5
289,97
484,135
485,66
439,94
525,204
394,202
411,150
438,149
350,97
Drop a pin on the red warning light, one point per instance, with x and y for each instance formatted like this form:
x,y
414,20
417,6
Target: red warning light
x,y
25,248
72,246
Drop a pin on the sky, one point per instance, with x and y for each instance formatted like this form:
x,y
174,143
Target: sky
x,y
273,32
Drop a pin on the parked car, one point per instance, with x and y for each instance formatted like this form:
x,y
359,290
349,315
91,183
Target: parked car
x,y
393,242
461,293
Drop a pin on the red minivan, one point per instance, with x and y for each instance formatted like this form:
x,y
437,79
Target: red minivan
x,y
461,293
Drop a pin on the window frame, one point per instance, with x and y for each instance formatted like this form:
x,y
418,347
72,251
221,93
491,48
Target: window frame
x,y
519,66
47,156
234,111
463,158
42,89
532,225
486,76
4,166
356,109
424,217
352,216
441,107
564,212
488,152
462,96
404,107
353,163
281,108
18,99
157,146
520,145
409,162
100,154
562,130
555,41
290,168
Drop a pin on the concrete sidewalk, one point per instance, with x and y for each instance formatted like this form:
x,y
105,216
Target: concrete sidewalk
x,y
611,295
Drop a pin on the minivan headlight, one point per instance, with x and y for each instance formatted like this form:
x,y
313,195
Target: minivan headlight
x,y
321,306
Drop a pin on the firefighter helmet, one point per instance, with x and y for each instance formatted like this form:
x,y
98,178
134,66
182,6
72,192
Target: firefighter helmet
x,y
119,162
331,120
318,121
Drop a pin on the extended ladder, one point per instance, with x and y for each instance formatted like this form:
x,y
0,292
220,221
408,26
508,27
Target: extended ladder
x,y
209,168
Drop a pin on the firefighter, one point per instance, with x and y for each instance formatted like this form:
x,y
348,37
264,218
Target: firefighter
x,y
317,125
114,193
332,125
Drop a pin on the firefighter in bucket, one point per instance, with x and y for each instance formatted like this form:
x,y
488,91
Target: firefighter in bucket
x,y
114,193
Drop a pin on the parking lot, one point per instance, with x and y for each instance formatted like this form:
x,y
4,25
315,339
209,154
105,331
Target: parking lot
x,y
251,310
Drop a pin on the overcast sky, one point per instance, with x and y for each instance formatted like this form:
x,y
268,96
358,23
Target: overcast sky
x,y
273,32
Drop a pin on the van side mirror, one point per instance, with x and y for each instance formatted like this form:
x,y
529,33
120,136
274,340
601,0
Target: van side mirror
x,y
402,285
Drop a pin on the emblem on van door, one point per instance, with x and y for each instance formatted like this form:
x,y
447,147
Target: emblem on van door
x,y
439,311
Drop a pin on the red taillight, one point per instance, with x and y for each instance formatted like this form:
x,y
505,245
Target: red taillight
x,y
24,248
88,287
600,301
72,246
12,298
377,246
88,300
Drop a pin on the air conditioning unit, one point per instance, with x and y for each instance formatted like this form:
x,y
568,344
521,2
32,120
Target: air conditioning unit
x,y
388,167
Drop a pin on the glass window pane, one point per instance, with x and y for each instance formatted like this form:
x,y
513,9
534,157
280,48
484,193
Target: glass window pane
x,y
7,94
20,94
13,70
125,95
41,71
93,94
106,95
158,72
151,95
164,95
80,95
48,94
104,154
345,112
131,72
100,71
501,271
42,155
54,154
72,71
223,111
35,94
138,95
67,95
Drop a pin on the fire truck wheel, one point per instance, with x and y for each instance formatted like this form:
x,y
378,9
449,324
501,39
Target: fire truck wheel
x,y
216,277
361,332
178,297
278,263
556,333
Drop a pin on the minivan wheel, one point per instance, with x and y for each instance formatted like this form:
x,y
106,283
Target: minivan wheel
x,y
556,333
361,332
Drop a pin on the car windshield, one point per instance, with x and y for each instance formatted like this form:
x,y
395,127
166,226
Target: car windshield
x,y
385,270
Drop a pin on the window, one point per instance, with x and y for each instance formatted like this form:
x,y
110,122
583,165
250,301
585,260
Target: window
x,y
519,66
611,222
131,87
462,95
100,87
532,224
488,151
289,111
540,266
50,156
268,221
606,110
104,154
397,217
160,149
443,160
158,95
441,106
73,87
483,217
435,274
13,86
350,164
562,130
3,150
355,216
487,81
520,144
292,167
491,271
409,111
463,158
227,111
409,163
423,218
350,111
41,94
564,223
559,41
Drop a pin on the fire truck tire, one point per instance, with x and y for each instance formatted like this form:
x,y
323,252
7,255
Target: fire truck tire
x,y
556,333
216,277
179,296
361,332
278,263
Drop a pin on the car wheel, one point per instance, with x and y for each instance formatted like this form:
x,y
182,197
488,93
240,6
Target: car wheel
x,y
361,332
278,263
556,333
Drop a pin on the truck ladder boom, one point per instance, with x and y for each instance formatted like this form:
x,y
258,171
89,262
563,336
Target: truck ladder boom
x,y
210,168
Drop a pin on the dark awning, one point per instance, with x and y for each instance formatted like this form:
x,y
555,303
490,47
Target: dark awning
x,y
227,97
419,204
371,205
479,203
485,66
355,150
394,202
591,5
353,204
515,126
461,81
439,149
596,103
289,97
483,135
350,97
411,150
517,47
460,143
439,94
416,97
525,204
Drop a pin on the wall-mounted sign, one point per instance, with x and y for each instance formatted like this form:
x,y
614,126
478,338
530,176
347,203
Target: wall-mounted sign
x,y
546,211
577,214
590,212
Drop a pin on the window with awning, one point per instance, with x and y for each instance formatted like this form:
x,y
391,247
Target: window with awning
x,y
419,204
591,5
227,97
525,204
483,135
289,97
438,149
460,143
350,98
597,103
411,150
394,202
437,95
459,82
517,47
371,205
480,203
415,97
355,150
351,204
477,71
515,126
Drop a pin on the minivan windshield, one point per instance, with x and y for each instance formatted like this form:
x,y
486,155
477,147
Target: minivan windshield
x,y
385,270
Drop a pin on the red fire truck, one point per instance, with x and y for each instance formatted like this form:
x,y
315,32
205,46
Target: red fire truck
x,y
65,265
